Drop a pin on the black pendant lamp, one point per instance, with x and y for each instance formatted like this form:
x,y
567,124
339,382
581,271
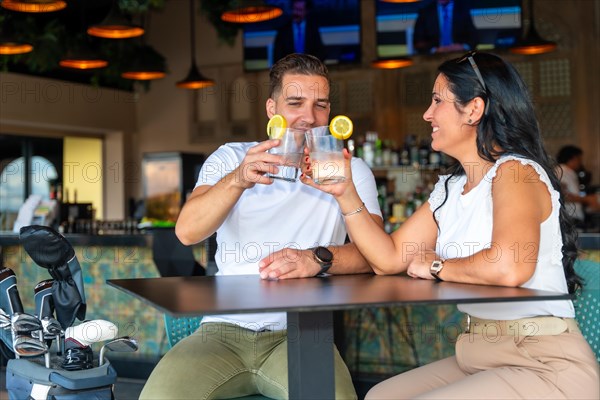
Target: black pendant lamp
x,y
194,79
9,44
531,42
250,11
392,63
115,26
147,65
34,6
80,55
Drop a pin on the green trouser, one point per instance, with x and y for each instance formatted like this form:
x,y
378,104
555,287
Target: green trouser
x,y
221,361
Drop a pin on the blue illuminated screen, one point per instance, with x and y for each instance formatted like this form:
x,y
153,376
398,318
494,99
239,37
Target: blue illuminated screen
x,y
497,23
336,21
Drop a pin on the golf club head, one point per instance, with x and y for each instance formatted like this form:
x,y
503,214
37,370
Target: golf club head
x,y
23,322
88,332
123,344
27,346
6,332
78,358
5,320
51,328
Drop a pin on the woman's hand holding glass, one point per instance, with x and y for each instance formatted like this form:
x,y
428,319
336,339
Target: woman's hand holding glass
x,y
337,189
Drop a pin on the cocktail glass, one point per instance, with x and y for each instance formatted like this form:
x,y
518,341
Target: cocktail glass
x,y
327,159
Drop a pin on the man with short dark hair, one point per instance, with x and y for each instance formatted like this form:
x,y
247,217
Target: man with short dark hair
x,y
570,159
279,230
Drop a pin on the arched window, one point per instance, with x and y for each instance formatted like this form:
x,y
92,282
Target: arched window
x,y
12,176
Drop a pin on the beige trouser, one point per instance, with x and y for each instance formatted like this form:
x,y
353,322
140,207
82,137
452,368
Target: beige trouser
x,y
503,367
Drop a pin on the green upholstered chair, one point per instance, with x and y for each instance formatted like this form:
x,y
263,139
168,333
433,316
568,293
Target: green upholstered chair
x,y
178,328
587,303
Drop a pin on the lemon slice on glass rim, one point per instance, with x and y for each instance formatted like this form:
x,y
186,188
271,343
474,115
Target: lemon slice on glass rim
x,y
276,126
341,127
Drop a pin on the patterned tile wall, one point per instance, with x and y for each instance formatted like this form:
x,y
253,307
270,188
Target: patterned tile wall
x,y
387,341
99,263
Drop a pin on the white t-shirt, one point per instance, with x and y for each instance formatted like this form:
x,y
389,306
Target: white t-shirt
x,y
268,218
570,182
466,223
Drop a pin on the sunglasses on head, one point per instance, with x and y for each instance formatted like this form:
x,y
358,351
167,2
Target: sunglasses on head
x,y
469,57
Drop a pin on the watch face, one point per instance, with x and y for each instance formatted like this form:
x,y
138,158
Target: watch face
x,y
323,254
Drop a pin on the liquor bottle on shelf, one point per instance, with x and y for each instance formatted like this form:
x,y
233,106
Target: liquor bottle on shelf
x,y
410,206
399,210
386,153
418,198
395,160
369,154
413,150
359,147
405,156
378,158
434,159
382,198
424,152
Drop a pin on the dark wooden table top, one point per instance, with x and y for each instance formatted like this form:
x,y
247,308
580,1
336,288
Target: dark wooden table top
x,y
204,295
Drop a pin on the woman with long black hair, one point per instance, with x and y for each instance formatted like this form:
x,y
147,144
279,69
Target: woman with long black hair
x,y
496,219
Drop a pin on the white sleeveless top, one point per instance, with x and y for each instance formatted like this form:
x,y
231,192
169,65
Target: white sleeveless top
x,y
466,223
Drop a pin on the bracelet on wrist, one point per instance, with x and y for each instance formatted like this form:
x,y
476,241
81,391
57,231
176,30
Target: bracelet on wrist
x,y
359,209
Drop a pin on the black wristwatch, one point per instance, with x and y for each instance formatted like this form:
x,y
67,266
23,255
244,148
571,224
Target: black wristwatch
x,y
324,257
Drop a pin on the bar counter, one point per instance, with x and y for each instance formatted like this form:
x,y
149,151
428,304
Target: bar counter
x,y
8,238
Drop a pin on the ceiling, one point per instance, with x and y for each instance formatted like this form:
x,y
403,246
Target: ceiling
x,y
54,34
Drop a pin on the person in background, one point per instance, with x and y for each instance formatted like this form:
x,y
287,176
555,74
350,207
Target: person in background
x,y
570,159
444,26
497,218
279,230
300,34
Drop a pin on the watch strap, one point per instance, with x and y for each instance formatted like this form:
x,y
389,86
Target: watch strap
x,y
435,269
325,265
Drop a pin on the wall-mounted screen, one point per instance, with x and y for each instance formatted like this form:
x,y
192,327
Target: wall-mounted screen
x,y
328,29
418,28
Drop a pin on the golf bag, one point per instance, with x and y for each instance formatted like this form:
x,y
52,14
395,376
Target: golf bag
x,y
72,373
27,379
